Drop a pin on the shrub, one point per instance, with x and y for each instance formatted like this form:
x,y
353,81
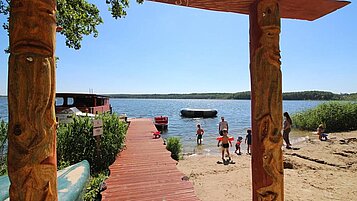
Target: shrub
x,y
93,187
3,132
175,147
3,156
75,142
336,116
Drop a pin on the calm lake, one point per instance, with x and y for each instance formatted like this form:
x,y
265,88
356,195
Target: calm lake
x,y
236,112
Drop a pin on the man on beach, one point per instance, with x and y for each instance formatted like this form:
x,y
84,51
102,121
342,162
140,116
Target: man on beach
x,y
222,125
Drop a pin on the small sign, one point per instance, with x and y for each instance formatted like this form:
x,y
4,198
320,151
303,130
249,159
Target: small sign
x,y
97,127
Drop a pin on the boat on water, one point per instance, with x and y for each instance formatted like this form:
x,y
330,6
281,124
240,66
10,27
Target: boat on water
x,y
161,122
86,103
77,104
66,115
196,113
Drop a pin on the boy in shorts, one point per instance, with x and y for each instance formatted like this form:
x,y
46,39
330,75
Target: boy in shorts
x,y
199,134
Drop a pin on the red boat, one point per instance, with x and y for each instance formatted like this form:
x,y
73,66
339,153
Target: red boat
x,y
161,122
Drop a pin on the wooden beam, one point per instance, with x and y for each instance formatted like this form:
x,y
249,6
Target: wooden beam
x,y
292,9
266,101
31,96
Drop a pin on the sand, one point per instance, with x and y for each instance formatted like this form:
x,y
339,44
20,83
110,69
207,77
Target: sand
x,y
317,171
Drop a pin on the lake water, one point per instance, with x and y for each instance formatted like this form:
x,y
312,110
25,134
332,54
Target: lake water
x,y
236,112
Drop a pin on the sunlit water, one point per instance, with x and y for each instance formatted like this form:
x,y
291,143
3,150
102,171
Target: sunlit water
x,y
236,112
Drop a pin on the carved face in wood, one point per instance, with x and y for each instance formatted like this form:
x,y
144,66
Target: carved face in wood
x,y
32,26
268,13
269,23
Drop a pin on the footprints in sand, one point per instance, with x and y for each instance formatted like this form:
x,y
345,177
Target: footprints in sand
x,y
346,153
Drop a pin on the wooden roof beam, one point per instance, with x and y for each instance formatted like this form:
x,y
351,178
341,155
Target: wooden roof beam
x,y
290,9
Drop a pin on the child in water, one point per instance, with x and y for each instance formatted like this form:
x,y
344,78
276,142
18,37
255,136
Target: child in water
x,y
239,141
225,144
199,134
248,139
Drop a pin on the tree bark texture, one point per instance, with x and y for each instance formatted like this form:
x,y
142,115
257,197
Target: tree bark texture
x,y
31,101
266,93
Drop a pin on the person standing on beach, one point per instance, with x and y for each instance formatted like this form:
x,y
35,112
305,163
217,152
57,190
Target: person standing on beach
x,y
239,141
199,134
222,125
225,144
286,129
248,139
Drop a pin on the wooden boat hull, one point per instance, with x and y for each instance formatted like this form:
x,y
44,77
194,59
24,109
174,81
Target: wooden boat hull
x,y
198,113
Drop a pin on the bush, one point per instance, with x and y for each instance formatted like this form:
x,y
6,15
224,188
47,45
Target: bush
x,y
75,142
336,116
93,187
3,156
175,147
3,132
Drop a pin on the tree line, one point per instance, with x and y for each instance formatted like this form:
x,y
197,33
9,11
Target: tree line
x,y
245,95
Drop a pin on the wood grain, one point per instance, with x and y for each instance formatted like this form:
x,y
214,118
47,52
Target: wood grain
x,y
31,97
266,89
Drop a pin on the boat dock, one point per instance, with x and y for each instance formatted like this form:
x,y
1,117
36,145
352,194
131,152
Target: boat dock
x,y
145,169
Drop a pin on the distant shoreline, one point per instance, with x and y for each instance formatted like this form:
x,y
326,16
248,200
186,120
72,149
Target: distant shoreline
x,y
245,95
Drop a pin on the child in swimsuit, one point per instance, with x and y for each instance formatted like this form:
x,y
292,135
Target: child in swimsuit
x,y
199,134
225,144
248,139
239,141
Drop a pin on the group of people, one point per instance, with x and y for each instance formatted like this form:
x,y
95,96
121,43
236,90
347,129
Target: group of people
x,y
225,140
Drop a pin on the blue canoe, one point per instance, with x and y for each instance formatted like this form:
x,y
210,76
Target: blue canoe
x,y
71,182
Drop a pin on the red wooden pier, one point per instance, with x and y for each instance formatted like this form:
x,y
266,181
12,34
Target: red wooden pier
x,y
145,170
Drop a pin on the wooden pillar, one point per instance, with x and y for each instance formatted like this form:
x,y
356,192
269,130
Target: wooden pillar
x,y
31,96
266,101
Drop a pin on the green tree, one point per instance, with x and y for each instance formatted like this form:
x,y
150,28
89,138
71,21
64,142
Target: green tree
x,y
77,17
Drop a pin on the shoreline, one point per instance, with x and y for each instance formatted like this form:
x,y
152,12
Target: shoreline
x,y
211,149
319,170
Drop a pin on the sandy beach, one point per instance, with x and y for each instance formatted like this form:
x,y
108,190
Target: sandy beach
x,y
319,170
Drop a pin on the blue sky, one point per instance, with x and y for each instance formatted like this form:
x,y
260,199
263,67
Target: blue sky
x,y
161,48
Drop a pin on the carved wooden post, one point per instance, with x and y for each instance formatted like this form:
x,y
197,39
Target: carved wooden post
x,y
31,95
266,92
